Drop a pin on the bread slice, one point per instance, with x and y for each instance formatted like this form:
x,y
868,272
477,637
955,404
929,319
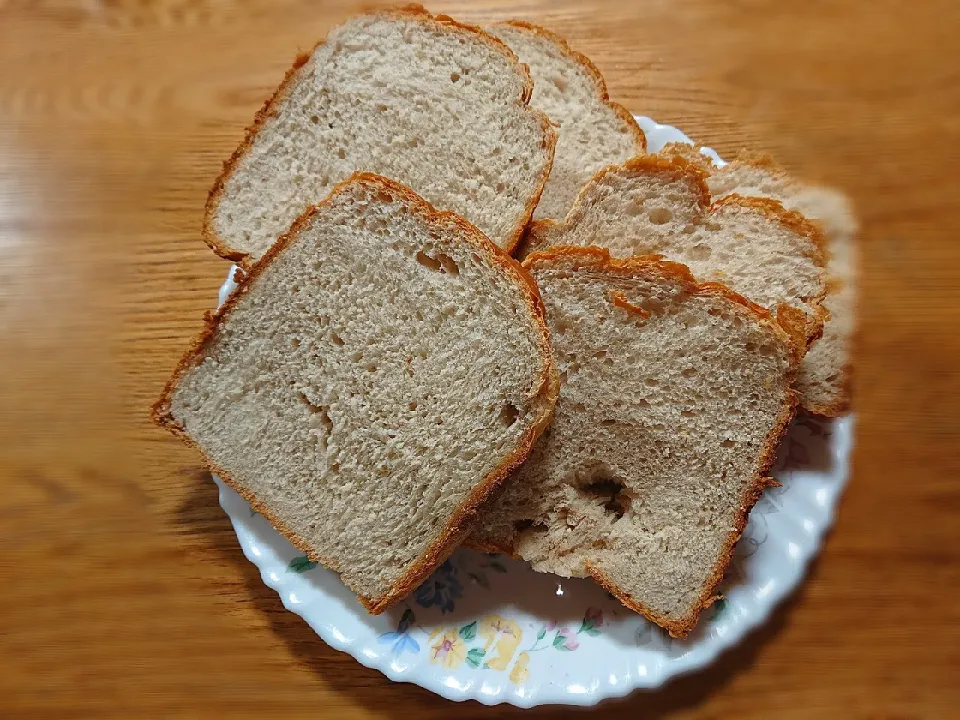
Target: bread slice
x,y
662,205
593,132
673,398
369,383
825,374
436,105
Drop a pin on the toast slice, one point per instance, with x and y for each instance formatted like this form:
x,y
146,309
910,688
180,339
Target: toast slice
x,y
661,205
673,398
593,132
825,376
369,383
436,105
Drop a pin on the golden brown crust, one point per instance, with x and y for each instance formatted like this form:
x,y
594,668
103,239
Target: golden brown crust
x,y
599,259
461,522
690,153
219,245
648,266
620,301
842,396
682,626
675,168
790,219
625,115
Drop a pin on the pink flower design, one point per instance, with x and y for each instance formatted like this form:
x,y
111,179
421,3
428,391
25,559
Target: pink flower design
x,y
566,640
594,615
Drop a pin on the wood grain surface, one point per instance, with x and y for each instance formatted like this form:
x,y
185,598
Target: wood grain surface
x,y
126,594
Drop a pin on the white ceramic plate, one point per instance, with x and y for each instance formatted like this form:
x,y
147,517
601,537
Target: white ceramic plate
x,y
487,628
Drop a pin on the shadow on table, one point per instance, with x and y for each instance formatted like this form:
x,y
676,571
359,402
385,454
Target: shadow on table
x,y
200,514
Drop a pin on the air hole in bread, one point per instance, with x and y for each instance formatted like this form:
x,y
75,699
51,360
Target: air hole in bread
x,y
509,414
651,382
688,413
610,493
448,264
660,216
699,252
688,372
454,77
524,525
341,153
413,406
384,197
314,119
428,262
320,418
727,444
337,340
295,342
441,263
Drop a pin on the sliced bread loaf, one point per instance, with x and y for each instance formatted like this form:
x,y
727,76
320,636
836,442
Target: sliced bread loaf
x,y
825,374
673,398
369,383
593,132
436,105
662,205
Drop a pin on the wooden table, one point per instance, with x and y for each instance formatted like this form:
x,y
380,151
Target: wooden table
x,y
126,594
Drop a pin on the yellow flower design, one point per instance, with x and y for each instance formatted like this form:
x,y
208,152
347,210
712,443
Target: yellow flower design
x,y
520,673
503,635
449,650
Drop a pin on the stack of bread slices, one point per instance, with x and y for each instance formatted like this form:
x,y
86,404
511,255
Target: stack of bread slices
x,y
474,310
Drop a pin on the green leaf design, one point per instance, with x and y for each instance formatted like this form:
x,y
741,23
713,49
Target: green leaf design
x,y
469,632
253,512
543,631
498,566
586,626
301,564
474,656
558,641
592,631
407,616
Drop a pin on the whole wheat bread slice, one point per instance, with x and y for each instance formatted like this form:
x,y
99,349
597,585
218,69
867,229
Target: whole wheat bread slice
x,y
593,132
825,374
436,105
661,205
673,398
369,383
